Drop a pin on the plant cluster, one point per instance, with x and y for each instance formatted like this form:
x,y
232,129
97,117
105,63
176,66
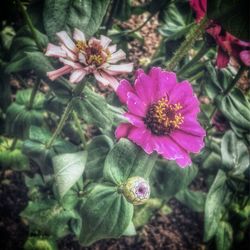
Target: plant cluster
x,y
158,128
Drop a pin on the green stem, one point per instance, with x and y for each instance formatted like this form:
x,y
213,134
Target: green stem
x,y
149,168
29,23
60,125
79,128
196,77
13,145
33,94
235,80
203,50
192,36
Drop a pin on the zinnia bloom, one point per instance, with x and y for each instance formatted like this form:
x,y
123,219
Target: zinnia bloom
x,y
162,115
81,57
228,45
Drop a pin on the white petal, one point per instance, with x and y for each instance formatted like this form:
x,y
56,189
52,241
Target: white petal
x,y
56,51
82,58
69,53
78,35
100,79
74,65
112,48
113,82
65,39
119,69
52,75
117,56
77,75
105,41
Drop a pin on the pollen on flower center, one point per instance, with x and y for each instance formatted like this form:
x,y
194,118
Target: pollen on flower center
x,y
162,117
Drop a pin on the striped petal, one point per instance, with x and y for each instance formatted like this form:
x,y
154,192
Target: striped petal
x,y
119,69
117,56
72,56
52,75
105,41
78,35
55,51
77,75
74,65
66,40
112,48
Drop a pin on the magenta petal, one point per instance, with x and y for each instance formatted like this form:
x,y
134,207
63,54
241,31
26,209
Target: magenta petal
x,y
135,120
164,80
123,89
189,142
190,107
184,162
122,130
145,88
245,57
138,72
192,127
135,105
222,58
143,138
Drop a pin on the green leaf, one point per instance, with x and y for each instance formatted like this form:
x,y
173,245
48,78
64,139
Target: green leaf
x,y
48,217
232,15
20,117
236,108
126,160
35,148
168,178
97,149
235,155
194,200
68,169
121,9
177,20
85,15
130,230
214,206
143,213
224,236
40,243
105,214
93,109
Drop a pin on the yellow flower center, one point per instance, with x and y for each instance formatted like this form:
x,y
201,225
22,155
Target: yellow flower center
x,y
162,117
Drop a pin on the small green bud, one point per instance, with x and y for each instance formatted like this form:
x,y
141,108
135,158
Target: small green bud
x,y
136,190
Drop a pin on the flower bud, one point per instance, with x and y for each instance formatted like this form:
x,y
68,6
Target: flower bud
x,y
136,190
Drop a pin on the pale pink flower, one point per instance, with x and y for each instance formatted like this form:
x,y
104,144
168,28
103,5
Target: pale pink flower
x,y
81,57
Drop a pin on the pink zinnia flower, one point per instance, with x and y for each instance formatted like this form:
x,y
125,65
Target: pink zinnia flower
x,y
162,115
228,45
81,57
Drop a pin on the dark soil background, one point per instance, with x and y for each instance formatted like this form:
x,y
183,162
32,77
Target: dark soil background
x,y
180,230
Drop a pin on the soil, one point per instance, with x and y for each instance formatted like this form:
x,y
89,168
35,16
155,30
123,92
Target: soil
x,y
180,230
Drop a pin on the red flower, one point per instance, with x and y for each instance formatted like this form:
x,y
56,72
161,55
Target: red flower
x,y
228,45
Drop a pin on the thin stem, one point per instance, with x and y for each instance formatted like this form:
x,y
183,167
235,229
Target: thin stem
x,y
79,128
60,125
192,36
33,94
203,50
235,80
196,77
13,145
29,23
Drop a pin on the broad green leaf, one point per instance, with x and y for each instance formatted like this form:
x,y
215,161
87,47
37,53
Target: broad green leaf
x,y
97,149
105,214
40,243
93,109
235,154
66,15
143,213
126,160
177,20
20,117
236,108
195,200
232,15
168,178
214,206
130,230
121,9
36,149
212,162
68,170
48,217
224,236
